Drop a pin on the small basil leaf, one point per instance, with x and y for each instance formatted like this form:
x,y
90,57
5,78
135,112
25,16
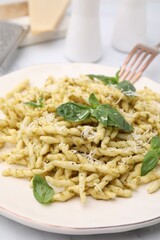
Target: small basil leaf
x,y
41,190
155,144
117,75
149,162
31,104
109,116
127,88
74,112
117,120
38,104
106,80
93,100
100,114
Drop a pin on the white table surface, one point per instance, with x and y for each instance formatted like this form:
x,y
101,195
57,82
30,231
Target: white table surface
x,y
53,52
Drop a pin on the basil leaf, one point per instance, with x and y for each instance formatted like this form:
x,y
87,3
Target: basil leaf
x,y
155,142
31,104
38,104
74,112
100,114
150,161
109,116
41,190
105,79
104,113
117,120
93,100
127,88
117,74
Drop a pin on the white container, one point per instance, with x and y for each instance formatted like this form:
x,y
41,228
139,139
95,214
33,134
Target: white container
x,y
83,41
130,27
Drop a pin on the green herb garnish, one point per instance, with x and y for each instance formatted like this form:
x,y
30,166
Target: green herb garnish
x,y
151,158
74,112
38,104
104,113
93,101
41,190
109,116
125,86
155,144
106,80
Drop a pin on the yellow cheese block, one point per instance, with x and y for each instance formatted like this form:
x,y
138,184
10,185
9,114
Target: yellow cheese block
x,y
13,10
46,14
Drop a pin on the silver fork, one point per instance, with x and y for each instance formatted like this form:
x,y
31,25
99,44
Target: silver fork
x,y
137,61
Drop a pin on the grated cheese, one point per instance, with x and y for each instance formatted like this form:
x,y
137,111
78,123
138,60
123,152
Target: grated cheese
x,y
119,99
88,132
60,128
91,159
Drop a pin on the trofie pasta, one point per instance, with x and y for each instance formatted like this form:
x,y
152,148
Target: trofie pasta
x,y
80,158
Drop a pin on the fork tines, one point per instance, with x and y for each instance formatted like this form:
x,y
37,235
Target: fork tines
x,y
136,62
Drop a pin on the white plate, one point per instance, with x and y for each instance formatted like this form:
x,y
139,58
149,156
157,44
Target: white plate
x,y
16,198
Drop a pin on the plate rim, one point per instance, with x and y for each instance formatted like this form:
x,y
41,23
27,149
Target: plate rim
x,y
26,221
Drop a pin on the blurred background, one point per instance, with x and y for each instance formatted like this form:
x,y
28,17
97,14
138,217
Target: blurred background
x,y
45,40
